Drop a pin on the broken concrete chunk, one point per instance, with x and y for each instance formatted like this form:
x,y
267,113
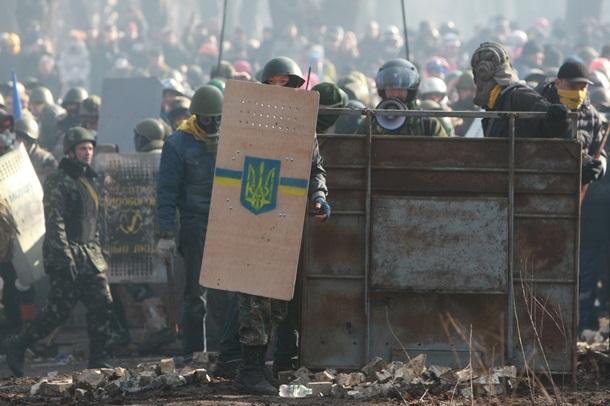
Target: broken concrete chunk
x,y
54,388
285,376
376,365
89,378
327,375
418,364
35,389
301,380
338,391
201,375
167,366
320,388
383,376
303,371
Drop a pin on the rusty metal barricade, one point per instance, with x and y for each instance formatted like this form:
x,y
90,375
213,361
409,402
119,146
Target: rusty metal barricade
x,y
463,249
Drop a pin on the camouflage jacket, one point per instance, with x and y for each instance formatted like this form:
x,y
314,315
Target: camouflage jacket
x,y
71,209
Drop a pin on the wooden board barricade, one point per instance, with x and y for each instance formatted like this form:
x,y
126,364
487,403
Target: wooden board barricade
x,y
259,195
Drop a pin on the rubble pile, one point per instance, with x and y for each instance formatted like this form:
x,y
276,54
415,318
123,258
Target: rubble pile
x,y
377,379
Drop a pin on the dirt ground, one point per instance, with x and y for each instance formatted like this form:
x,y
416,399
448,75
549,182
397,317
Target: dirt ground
x,y
592,387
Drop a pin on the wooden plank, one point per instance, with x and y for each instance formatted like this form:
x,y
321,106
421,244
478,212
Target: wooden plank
x,y
259,195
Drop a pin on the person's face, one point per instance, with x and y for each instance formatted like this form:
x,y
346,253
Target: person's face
x,y
396,94
278,80
167,99
179,119
36,109
563,84
83,152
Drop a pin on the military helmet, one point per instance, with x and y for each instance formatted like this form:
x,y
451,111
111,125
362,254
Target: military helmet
x,y
218,82
151,129
75,95
28,127
283,66
207,101
398,74
90,107
41,94
75,136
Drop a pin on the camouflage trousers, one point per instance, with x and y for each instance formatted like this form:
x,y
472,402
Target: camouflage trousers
x,y
259,317
92,289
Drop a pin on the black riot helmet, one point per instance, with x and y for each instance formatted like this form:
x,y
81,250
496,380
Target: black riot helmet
x,y
283,65
398,74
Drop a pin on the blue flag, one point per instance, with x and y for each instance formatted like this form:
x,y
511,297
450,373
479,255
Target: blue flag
x,y
17,111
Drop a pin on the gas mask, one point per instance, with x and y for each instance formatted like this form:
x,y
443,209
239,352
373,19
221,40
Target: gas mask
x,y
211,125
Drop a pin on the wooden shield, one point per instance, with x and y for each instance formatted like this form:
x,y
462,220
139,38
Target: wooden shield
x,y
259,196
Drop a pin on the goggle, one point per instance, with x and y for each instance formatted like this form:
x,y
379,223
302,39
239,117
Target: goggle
x,y
207,120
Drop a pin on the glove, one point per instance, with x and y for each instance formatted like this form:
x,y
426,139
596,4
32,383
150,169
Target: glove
x,y
166,248
322,208
557,112
591,170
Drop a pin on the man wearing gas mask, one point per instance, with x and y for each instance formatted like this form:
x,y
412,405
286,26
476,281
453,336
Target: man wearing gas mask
x,y
186,174
498,89
570,88
397,83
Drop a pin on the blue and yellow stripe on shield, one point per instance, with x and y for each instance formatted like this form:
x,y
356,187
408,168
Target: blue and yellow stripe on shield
x,y
260,183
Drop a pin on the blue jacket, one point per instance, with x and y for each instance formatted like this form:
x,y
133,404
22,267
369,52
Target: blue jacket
x,y
186,174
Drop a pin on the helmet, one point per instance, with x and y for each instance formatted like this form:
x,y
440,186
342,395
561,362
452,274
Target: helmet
x,y
516,39
398,74
600,97
75,95
432,85
90,107
283,66
437,64
26,126
207,101
41,94
75,136
171,84
242,66
152,130
600,63
218,82
12,42
465,81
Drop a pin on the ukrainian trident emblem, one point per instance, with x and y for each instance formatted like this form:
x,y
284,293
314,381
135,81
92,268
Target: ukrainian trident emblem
x,y
260,187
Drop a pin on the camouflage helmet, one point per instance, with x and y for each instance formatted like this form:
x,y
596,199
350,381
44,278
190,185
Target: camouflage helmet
x,y
90,107
207,101
41,94
398,74
75,136
26,127
283,66
75,95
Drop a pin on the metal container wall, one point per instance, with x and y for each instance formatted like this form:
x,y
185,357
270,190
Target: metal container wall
x,y
432,240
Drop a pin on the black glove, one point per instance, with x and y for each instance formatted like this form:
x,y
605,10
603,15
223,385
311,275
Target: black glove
x,y
324,207
591,170
557,112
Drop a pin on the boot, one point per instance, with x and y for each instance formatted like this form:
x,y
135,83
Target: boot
x,y
98,356
265,370
250,374
14,347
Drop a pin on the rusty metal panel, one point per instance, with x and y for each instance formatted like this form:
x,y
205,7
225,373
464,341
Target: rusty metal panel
x,y
439,244
438,325
536,180
334,322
